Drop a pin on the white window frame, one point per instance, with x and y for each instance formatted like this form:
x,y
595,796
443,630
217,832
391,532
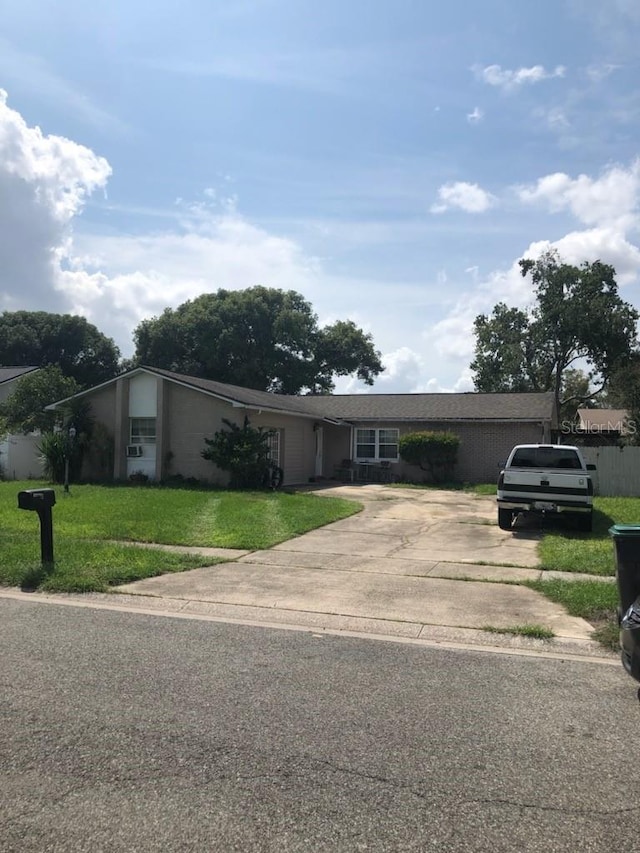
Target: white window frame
x,y
142,438
376,443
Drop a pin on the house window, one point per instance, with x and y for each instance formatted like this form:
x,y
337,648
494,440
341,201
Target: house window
x,y
142,430
375,444
273,443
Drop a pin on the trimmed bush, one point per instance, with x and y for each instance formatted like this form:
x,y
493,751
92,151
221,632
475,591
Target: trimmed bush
x,y
432,451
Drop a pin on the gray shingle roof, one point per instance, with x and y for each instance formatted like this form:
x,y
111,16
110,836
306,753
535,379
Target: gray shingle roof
x,y
9,373
237,394
398,407
434,407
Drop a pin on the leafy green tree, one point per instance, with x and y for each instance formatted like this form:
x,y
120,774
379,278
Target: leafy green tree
x,y
258,338
624,393
576,392
38,338
23,410
243,452
431,450
578,318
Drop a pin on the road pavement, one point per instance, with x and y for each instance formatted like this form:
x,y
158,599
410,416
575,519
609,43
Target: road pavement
x,y
127,732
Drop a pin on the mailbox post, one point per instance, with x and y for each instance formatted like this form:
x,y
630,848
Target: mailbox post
x,y
41,501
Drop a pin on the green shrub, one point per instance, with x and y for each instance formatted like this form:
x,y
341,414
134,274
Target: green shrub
x,y
53,448
432,451
243,452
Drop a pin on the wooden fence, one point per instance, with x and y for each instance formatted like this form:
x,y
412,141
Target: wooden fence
x,y
618,470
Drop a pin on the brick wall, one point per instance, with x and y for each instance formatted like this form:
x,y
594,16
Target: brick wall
x,y
484,447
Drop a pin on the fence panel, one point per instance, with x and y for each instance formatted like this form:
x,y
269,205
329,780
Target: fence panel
x,y
618,470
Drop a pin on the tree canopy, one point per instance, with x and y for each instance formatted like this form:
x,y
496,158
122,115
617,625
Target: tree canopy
x,y
38,338
260,338
624,393
578,318
23,410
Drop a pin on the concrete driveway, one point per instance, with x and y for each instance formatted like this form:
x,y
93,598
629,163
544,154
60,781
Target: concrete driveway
x,y
413,563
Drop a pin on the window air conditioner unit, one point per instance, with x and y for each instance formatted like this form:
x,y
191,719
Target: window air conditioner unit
x,y
134,450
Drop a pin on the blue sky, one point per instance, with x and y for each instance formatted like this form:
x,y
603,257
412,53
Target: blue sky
x,y
390,160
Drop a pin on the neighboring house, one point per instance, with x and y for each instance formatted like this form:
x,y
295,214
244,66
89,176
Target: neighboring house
x,y
599,427
19,456
159,420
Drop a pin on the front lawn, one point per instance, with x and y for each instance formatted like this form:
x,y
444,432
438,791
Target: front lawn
x,y
594,601
592,553
88,520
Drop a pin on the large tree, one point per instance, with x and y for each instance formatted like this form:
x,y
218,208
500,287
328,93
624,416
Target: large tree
x,y
259,338
577,319
38,338
624,393
23,410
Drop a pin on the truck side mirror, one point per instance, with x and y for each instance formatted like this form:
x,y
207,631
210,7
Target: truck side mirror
x,y
591,467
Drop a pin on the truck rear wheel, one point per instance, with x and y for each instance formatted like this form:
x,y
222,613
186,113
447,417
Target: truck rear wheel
x,y
505,519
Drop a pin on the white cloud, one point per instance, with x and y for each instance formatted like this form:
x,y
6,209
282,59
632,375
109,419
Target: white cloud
x,y
597,73
44,182
115,281
468,197
475,116
452,337
509,80
604,244
557,119
609,200
404,371
139,276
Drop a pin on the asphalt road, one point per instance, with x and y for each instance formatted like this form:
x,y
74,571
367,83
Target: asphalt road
x,y
125,732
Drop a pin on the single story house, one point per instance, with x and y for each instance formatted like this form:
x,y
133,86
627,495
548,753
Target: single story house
x,y
19,455
159,421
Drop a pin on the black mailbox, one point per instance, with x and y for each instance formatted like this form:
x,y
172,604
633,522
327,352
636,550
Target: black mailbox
x,y
36,499
41,501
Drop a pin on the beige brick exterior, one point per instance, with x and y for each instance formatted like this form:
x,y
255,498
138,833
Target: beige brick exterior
x,y
188,415
484,446
186,418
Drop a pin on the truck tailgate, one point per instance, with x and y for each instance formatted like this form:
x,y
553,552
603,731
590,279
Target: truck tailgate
x,y
547,486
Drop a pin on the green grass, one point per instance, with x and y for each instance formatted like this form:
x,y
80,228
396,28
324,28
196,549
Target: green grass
x,y
594,601
536,631
592,553
475,488
88,520
482,488
567,550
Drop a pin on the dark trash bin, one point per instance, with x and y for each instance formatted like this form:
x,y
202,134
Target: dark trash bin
x,y
626,541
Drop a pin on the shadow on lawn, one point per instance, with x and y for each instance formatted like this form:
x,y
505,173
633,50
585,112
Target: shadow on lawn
x,y
34,577
531,526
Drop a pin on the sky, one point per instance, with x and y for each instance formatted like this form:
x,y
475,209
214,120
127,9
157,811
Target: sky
x,y
391,160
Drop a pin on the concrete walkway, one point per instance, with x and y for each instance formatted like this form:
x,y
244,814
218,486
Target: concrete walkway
x,y
412,564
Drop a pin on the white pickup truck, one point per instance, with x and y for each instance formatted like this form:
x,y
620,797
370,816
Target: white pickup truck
x,y
546,479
